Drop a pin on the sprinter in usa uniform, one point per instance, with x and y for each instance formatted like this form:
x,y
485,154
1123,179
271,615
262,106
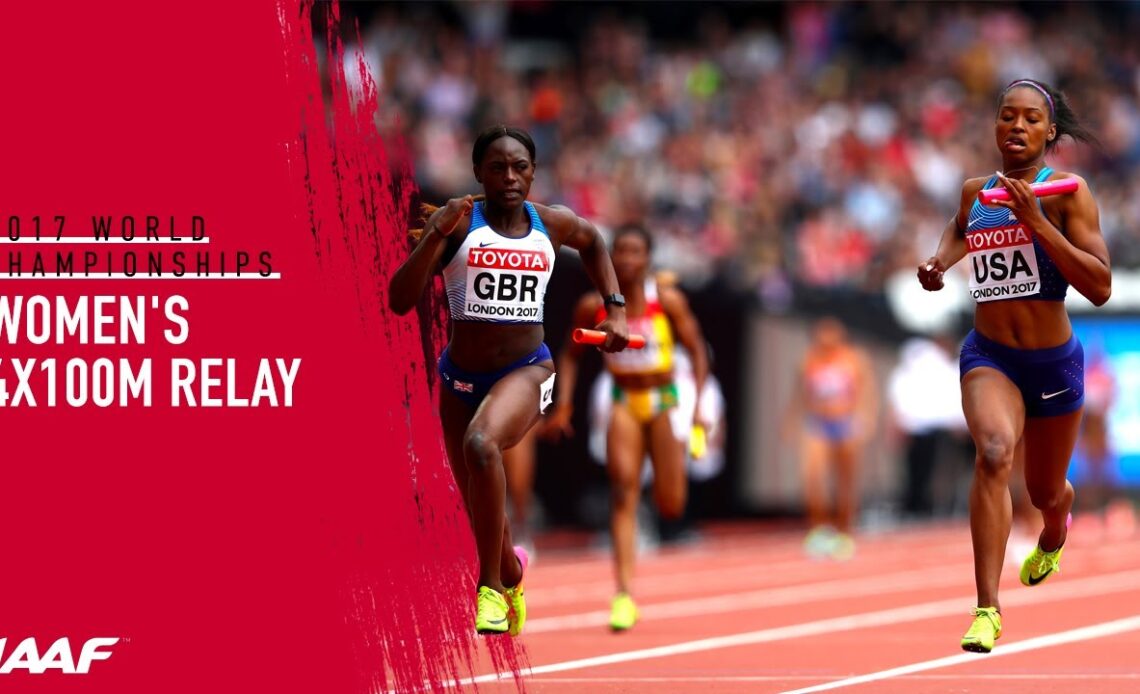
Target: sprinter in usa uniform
x,y
1022,368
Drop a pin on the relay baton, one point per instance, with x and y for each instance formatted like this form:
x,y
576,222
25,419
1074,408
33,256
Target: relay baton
x,y
1043,189
597,337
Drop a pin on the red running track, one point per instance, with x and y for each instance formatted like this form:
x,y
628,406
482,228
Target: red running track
x,y
750,613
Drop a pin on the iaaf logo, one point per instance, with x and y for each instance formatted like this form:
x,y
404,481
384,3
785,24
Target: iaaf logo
x,y
58,656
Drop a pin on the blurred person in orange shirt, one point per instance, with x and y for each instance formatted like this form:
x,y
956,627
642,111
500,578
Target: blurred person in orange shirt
x,y
835,402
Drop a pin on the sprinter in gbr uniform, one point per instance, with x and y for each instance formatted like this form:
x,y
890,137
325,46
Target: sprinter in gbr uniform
x,y
496,373
1022,367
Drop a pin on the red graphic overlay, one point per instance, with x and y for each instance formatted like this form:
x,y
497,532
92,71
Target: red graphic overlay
x,y
315,547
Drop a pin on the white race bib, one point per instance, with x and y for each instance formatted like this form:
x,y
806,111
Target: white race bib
x,y
506,283
1003,264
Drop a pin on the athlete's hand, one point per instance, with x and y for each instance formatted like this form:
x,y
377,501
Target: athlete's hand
x,y
699,418
930,274
617,333
455,210
557,424
1022,202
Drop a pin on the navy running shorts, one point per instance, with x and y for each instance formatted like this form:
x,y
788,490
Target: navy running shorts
x,y
470,387
1051,380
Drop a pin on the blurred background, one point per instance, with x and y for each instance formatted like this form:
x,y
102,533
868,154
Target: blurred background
x,y
792,161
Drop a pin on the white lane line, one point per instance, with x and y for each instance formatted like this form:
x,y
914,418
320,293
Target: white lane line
x,y
1120,582
1094,631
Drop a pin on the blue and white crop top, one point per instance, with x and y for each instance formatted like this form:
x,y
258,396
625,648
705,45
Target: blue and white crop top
x,y
1006,260
497,279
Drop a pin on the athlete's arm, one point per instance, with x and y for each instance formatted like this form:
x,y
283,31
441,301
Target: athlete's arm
x,y
558,423
584,237
409,280
688,332
952,245
1080,253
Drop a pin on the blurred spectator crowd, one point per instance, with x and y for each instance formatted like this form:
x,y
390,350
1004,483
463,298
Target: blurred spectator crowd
x,y
821,145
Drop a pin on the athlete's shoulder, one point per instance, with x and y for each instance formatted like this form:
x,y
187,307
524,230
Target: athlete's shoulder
x,y
1081,202
672,298
1058,175
556,216
971,186
665,278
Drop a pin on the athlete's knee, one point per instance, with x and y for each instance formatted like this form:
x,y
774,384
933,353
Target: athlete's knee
x,y
670,502
624,492
480,449
995,454
1046,496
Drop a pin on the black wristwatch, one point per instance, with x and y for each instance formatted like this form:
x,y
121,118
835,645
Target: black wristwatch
x,y
615,299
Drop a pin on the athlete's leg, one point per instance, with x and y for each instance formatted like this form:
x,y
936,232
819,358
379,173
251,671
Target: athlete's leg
x,y
846,456
670,485
1026,519
1049,443
518,462
814,450
995,414
455,416
506,414
625,451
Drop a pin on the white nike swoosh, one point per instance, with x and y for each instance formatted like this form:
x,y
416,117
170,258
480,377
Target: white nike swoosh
x,y
1053,395
973,222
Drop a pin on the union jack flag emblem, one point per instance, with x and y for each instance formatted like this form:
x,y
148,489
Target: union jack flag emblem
x,y
464,387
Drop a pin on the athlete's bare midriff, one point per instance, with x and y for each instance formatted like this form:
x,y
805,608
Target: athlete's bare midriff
x,y
643,381
484,347
1025,323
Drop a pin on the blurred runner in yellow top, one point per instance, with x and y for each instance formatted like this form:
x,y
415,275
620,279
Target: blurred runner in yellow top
x,y
644,392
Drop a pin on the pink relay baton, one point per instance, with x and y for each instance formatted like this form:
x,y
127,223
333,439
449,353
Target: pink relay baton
x,y
597,337
1043,189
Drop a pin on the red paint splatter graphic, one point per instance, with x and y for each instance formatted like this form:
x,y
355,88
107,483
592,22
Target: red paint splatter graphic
x,y
408,593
